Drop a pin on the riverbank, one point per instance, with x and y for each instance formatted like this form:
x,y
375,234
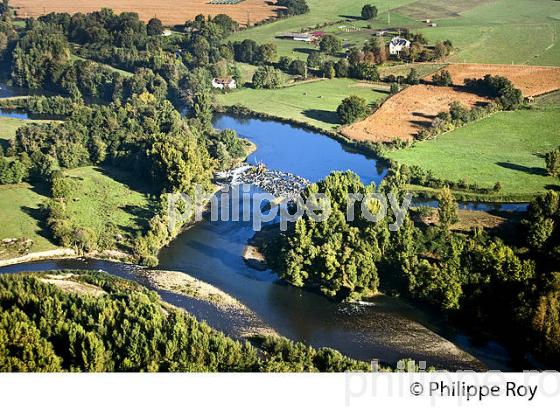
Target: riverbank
x,y
360,147
184,284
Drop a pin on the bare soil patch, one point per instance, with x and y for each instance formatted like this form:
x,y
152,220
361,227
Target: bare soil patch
x,y
468,220
170,12
531,80
67,284
406,113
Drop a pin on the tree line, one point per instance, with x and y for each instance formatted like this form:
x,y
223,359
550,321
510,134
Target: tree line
x,y
478,279
126,328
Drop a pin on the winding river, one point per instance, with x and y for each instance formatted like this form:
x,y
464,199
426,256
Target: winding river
x,y
386,328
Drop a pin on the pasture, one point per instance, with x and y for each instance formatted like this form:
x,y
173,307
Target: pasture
x,y
483,31
321,13
106,196
170,12
20,214
314,103
505,147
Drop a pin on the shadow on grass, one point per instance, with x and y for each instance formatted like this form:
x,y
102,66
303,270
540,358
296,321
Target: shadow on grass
x,y
553,187
39,214
131,179
304,50
329,117
523,168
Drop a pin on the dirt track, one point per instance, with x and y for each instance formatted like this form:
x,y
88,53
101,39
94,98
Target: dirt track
x,y
404,114
170,12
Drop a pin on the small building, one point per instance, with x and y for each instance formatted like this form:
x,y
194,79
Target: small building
x,y
166,33
224,83
306,37
433,25
397,44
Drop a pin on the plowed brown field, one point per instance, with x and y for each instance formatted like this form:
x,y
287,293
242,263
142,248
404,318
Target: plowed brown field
x,y
168,11
531,80
404,114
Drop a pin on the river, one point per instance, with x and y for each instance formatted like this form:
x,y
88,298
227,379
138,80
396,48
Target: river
x,y
387,329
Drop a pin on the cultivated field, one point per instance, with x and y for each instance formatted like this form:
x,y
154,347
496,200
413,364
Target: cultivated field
x,y
404,114
168,11
529,79
314,103
505,147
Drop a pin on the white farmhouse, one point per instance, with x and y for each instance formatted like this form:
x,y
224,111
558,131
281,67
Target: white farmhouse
x,y
224,83
397,44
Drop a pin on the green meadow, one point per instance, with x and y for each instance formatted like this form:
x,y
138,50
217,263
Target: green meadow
x,y
483,31
507,147
106,196
20,214
314,103
321,12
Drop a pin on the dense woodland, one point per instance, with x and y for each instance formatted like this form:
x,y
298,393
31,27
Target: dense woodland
x,y
126,328
480,280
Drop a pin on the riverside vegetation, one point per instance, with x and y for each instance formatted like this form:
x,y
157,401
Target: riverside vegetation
x,y
478,279
91,321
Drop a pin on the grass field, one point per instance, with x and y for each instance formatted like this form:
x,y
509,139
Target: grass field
x,y
483,31
506,147
321,12
314,102
107,196
19,217
504,31
100,197
9,126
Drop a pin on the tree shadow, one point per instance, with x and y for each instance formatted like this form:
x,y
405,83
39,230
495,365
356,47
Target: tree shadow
x,y
423,115
5,144
522,168
304,50
422,124
40,215
140,217
329,117
346,16
553,187
131,180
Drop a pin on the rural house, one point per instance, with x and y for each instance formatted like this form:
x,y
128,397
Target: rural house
x,y
224,83
397,44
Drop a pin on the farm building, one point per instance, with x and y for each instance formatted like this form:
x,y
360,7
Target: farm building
x,y
397,44
305,37
224,83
